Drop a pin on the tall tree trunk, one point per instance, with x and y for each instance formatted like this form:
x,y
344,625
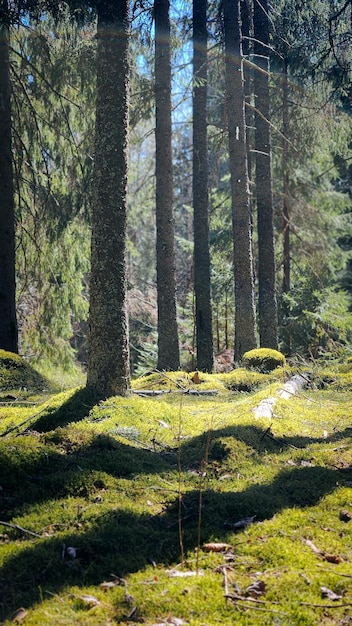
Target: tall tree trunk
x,y
285,175
286,217
8,321
168,344
245,327
108,359
204,329
267,303
247,33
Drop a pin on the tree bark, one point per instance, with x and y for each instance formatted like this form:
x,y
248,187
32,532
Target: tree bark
x,y
108,359
204,329
8,320
285,175
267,303
245,326
168,344
247,51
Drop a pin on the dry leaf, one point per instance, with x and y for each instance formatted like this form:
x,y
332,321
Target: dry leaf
x,y
332,558
109,584
71,552
243,523
331,595
196,378
174,573
345,516
176,621
19,615
133,615
258,588
88,601
217,547
128,598
313,547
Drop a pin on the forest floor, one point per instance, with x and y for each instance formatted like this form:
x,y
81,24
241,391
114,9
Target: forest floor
x,y
187,507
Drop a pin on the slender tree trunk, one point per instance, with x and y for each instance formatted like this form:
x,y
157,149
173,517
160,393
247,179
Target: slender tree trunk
x,y
247,32
285,175
245,327
108,359
204,330
8,321
267,303
168,345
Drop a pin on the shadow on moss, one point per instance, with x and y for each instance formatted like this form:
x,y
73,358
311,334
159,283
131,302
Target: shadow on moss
x,y
76,408
122,542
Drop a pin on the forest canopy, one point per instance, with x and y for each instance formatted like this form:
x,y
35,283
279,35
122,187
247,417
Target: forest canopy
x,y
291,263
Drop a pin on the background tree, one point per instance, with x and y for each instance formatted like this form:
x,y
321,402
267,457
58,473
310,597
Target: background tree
x,y
267,303
168,344
8,320
245,325
51,63
204,331
312,115
53,86
108,358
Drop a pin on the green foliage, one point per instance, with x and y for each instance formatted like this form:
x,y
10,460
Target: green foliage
x,y
52,64
316,322
263,359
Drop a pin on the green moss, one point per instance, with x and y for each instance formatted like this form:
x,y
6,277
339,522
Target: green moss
x,y
17,374
263,359
118,479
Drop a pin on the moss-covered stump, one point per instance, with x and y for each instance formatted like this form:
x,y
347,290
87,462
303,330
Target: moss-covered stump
x,y
263,359
17,374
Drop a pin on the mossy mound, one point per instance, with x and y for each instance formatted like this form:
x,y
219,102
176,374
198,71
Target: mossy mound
x,y
238,380
179,381
243,380
263,359
17,374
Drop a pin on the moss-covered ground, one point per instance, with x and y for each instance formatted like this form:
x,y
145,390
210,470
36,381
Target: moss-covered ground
x,y
178,508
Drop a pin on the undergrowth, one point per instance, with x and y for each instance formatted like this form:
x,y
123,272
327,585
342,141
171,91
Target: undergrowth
x,y
180,507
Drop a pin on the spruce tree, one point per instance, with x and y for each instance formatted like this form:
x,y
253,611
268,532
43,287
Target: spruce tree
x,y
8,320
267,304
108,358
245,323
203,312
168,343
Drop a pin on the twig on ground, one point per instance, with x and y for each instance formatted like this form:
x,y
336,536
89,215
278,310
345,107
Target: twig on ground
x,y
239,604
327,606
23,530
175,382
329,571
28,419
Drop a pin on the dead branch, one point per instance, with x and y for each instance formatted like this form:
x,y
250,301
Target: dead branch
x,y
160,392
240,599
327,606
23,530
28,419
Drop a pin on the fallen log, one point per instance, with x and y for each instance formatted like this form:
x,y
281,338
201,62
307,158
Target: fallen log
x,y
160,392
265,408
